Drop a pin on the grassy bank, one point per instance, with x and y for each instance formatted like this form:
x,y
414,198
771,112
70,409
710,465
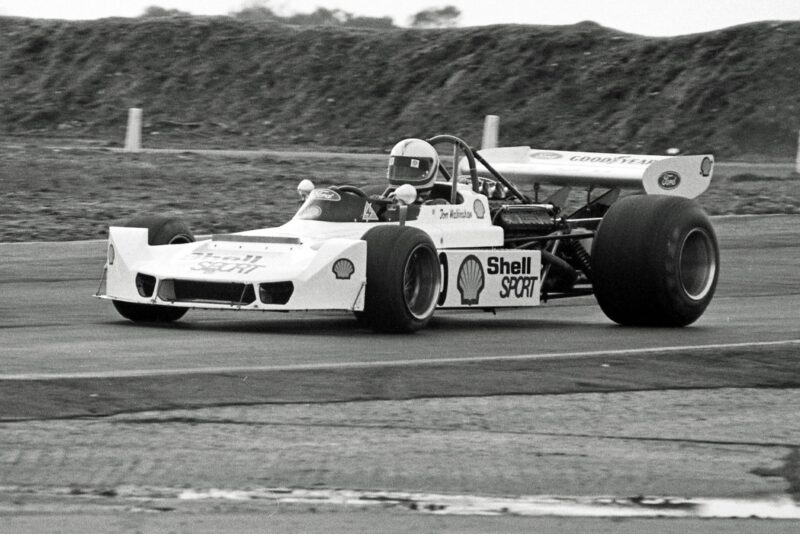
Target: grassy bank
x,y
209,80
73,194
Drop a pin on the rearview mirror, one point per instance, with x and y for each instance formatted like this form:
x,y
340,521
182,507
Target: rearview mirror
x,y
406,194
305,188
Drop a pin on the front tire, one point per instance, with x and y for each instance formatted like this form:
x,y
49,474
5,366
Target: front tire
x,y
148,313
161,230
403,279
655,261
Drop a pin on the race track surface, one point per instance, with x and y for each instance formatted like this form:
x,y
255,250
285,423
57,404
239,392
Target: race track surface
x,y
51,327
616,408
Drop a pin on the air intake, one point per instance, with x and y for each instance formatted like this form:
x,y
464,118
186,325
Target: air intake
x,y
145,284
235,294
276,292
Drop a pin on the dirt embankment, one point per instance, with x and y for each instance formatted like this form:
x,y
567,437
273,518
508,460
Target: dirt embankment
x,y
236,83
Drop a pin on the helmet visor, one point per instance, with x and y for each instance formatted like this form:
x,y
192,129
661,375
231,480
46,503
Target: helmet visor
x,y
409,170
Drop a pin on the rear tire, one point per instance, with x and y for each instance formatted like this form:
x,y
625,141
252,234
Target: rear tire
x,y
655,261
161,230
403,279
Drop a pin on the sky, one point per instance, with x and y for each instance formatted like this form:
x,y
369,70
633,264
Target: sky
x,y
646,17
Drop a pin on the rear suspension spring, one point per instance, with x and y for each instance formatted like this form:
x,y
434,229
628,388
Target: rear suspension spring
x,y
581,257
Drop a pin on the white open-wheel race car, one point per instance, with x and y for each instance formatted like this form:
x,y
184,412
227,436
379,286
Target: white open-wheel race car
x,y
470,239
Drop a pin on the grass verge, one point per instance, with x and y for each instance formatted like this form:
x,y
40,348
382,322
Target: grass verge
x,y
53,194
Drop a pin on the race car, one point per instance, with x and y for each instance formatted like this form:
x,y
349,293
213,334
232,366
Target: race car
x,y
438,238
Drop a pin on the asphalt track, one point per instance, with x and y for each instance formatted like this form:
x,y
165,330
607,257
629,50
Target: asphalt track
x,y
51,327
66,355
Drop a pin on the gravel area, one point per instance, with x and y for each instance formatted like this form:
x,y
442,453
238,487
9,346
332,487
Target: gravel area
x,y
722,443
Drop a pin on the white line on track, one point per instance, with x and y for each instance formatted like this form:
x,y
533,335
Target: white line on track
x,y
401,363
776,507
526,505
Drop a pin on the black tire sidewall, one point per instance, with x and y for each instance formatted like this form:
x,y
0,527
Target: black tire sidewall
x,y
636,261
149,313
162,230
388,251
672,294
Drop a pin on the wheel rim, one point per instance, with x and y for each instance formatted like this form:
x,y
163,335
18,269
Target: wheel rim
x,y
180,239
698,264
421,282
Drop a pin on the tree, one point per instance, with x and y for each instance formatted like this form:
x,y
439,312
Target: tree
x,y
371,22
158,11
436,17
256,10
261,10
320,17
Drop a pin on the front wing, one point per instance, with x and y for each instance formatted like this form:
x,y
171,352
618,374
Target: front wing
x,y
236,272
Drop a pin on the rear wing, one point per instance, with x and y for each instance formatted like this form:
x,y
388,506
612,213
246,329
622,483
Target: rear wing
x,y
685,176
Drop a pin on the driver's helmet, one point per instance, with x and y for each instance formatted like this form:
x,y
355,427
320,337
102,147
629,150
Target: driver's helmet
x,y
414,162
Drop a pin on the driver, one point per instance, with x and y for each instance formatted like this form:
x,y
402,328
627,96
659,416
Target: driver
x,y
414,162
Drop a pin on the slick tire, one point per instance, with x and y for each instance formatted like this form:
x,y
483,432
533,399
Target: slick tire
x,y
655,261
403,279
148,313
161,230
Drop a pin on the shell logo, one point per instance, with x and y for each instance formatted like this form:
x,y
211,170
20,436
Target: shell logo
x,y
343,269
705,167
470,280
479,209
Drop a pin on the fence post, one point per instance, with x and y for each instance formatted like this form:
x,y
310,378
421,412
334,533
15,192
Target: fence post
x,y
133,135
491,128
797,159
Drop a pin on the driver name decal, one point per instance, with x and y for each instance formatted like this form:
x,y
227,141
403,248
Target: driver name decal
x,y
455,213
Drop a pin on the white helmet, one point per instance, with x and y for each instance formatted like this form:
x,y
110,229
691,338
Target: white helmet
x,y
414,162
